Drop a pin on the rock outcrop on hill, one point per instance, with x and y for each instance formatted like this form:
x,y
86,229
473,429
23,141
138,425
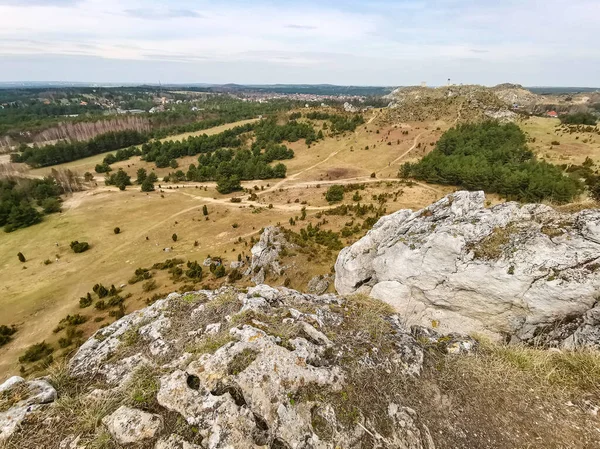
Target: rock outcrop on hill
x,y
527,272
230,369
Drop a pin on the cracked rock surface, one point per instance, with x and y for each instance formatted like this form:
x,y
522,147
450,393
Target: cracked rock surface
x,y
510,270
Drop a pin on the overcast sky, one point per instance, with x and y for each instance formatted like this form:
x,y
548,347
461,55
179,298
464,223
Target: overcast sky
x,y
386,42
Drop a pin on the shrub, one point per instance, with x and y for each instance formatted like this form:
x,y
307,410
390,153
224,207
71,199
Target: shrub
x,y
36,352
219,271
51,205
147,185
85,301
6,334
204,210
79,247
234,275
117,230
140,275
174,237
335,193
149,285
21,258
236,199
74,320
194,270
100,305
100,290
373,175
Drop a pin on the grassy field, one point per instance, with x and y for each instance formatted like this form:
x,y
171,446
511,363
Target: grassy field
x,y
572,148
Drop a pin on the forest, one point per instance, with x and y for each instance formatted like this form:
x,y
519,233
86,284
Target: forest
x,y
493,157
21,199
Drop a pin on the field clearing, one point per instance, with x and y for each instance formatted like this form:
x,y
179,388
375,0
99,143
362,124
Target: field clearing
x,y
573,148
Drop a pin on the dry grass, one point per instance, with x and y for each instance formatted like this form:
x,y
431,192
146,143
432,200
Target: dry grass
x,y
492,246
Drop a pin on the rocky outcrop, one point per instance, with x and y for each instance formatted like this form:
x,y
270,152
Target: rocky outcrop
x,y
510,270
265,254
263,368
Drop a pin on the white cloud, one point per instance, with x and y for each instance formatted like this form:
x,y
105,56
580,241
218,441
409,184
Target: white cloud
x,y
388,34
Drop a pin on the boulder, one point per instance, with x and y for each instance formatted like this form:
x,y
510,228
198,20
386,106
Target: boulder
x,y
508,270
129,425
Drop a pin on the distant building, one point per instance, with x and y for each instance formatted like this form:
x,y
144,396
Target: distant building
x,y
553,114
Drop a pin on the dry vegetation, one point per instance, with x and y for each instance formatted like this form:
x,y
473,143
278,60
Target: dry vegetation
x,y
45,289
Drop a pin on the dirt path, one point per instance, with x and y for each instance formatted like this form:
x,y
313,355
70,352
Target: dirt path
x,y
414,145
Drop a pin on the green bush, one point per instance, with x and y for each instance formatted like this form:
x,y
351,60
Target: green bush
x,y
36,352
73,320
51,205
79,247
85,301
194,270
335,193
21,257
219,271
174,237
117,230
6,334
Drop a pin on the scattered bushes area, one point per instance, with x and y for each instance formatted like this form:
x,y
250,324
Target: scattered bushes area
x,y
493,157
339,123
579,118
20,199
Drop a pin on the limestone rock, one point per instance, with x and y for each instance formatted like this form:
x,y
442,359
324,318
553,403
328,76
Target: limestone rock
x,y
129,425
319,284
265,254
23,398
175,442
511,269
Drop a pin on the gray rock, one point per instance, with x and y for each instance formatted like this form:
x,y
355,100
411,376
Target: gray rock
x,y
319,284
510,269
175,442
265,254
31,396
129,425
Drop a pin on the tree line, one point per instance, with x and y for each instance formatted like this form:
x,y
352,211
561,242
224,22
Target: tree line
x,y
493,157
62,152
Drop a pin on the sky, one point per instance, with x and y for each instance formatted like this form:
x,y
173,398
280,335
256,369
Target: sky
x,y
351,42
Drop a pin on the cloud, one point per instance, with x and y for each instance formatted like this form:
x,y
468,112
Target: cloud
x,y
160,14
384,39
30,3
300,27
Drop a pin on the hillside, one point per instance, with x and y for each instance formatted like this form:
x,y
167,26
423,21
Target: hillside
x,y
273,367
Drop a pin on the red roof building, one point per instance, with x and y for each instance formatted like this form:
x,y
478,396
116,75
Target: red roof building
x,y
552,114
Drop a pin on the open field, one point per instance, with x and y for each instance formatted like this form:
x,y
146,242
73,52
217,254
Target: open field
x,y
573,148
